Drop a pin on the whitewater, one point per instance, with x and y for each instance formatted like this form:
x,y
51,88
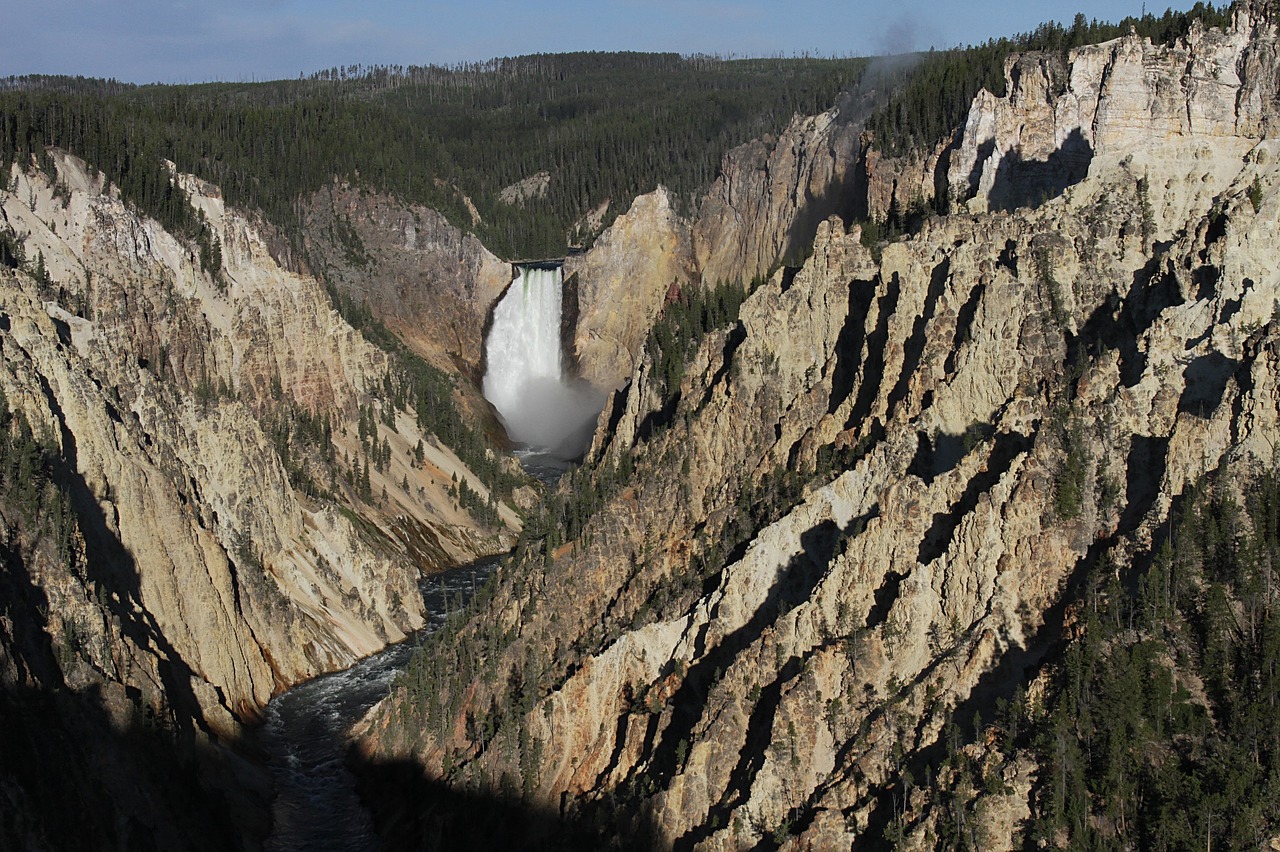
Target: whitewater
x,y
542,409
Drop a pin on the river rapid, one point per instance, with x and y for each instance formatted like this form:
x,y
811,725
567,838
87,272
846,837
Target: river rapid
x,y
305,735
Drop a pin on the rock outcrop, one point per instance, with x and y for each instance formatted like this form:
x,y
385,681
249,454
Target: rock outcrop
x,y
771,195
207,434
1108,100
857,522
622,283
761,211
523,191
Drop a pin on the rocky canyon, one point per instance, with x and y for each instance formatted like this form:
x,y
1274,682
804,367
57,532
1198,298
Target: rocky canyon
x,y
862,517
868,513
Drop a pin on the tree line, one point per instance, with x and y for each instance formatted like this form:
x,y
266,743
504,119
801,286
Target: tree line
x,y
607,126
933,94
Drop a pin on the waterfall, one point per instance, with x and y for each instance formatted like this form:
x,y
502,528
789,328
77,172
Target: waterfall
x,y
525,378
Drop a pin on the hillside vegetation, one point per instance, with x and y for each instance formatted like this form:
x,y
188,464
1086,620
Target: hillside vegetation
x,y
933,99
606,126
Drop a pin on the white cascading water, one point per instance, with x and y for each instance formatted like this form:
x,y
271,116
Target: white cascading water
x,y
524,379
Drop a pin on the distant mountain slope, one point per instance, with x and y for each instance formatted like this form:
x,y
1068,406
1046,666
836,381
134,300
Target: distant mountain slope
x,y
605,127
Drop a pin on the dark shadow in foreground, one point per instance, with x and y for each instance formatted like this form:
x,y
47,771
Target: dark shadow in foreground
x,y
102,740
70,778
414,812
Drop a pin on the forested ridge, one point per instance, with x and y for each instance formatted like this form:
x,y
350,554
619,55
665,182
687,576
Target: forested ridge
x,y
606,126
934,98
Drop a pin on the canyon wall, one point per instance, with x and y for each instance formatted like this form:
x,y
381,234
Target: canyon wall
x,y
858,522
771,194
855,518
193,431
622,283
432,284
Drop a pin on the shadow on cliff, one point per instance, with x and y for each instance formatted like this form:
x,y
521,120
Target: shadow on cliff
x,y
1030,183
1120,323
845,193
913,346
850,342
797,579
1206,383
87,759
861,358
1007,446
72,776
72,779
415,813
1021,661
113,573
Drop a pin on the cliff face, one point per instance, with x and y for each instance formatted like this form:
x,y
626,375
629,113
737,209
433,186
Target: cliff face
x,y
201,430
622,283
430,283
860,520
771,195
1101,100
1109,100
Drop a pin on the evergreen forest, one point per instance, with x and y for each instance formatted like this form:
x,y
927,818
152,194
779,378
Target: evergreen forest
x,y
1157,725
606,127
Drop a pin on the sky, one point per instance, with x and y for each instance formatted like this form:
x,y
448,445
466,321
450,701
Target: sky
x,y
184,41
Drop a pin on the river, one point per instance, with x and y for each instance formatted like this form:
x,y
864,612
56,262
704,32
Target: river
x,y
545,465
305,735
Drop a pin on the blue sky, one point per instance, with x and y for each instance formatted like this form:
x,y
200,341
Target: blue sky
x,y
183,41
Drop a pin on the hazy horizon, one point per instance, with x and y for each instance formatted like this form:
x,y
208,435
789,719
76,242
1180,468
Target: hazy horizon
x,y
149,41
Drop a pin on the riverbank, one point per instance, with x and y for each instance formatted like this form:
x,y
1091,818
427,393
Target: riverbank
x,y
305,736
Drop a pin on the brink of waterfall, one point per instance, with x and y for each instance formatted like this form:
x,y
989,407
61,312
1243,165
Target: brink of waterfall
x,y
525,378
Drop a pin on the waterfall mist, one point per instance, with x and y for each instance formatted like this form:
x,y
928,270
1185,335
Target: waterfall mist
x,y
525,377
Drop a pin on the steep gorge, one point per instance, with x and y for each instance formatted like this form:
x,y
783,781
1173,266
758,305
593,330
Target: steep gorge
x,y
865,516
239,505
790,573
